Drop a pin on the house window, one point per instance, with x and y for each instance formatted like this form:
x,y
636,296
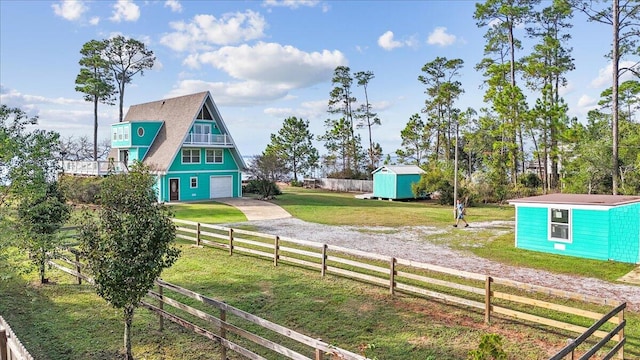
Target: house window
x,y
115,134
194,182
190,156
214,156
141,131
560,225
126,133
120,133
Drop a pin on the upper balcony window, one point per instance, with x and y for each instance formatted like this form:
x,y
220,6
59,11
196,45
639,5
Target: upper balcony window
x,y
201,133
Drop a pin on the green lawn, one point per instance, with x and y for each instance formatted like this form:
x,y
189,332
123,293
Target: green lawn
x,y
66,321
334,208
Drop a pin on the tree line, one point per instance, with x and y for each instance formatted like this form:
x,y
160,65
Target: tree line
x,y
513,145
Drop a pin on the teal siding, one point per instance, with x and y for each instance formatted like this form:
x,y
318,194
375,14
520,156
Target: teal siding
x,y
120,129
403,186
228,163
150,130
384,185
203,190
602,234
532,229
624,233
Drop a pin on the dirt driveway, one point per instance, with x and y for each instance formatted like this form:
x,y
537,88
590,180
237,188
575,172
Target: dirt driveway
x,y
413,243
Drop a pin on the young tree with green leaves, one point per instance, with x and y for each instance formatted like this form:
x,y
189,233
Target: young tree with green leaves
x,y
126,58
266,169
293,145
40,215
129,243
95,81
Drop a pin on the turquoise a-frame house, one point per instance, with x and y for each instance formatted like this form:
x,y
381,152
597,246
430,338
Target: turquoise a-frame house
x,y
394,182
187,145
603,227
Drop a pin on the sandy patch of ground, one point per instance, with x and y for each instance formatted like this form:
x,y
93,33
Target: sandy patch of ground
x,y
411,243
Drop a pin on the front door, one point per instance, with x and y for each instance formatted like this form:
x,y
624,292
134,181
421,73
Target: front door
x,y
174,189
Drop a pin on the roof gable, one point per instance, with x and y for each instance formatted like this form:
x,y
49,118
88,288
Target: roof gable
x,y
178,115
401,169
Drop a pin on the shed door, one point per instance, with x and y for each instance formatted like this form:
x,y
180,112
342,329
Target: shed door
x,y
221,186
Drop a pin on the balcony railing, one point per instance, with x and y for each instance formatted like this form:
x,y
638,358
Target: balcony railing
x,y
92,168
208,139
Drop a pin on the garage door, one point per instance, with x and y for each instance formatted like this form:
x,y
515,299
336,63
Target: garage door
x,y
221,186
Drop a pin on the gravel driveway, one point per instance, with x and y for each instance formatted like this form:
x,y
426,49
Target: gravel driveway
x,y
411,243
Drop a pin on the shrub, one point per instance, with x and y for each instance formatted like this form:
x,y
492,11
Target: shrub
x,y
80,190
264,188
490,348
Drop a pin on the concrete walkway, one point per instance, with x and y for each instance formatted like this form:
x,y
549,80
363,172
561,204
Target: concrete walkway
x,y
255,209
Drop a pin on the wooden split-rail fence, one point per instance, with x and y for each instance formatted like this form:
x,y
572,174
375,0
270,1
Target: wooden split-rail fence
x,y
492,295
10,346
229,334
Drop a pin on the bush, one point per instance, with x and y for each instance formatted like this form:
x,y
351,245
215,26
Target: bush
x,y
296,183
80,190
264,188
490,348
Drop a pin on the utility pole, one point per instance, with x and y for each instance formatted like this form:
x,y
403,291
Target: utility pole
x,y
455,175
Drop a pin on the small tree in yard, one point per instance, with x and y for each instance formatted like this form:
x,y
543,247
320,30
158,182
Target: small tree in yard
x,y
266,169
129,243
40,217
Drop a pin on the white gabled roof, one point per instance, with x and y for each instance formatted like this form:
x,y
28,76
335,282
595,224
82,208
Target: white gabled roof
x,y
401,169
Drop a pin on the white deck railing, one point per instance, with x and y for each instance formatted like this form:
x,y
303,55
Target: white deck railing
x,y
92,168
208,139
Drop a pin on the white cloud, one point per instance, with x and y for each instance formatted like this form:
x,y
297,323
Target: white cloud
x,y
440,37
206,30
239,93
605,75
174,5
94,20
567,89
387,42
293,4
307,110
125,10
69,9
17,99
285,67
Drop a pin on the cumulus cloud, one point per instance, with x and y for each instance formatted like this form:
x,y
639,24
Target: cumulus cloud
x,y
387,42
293,4
70,9
18,99
231,93
605,75
440,37
174,5
203,31
94,20
125,10
271,63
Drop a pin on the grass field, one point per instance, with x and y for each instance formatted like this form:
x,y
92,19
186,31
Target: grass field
x,y
66,321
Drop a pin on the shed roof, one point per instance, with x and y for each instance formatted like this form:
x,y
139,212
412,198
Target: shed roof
x,y
401,169
578,199
178,115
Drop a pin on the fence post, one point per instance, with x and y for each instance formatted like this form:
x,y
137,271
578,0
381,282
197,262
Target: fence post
x,y
392,275
198,234
487,299
223,333
230,241
161,306
319,353
323,271
78,267
276,245
3,345
621,334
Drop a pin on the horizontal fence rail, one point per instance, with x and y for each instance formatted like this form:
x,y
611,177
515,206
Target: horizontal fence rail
x,y
10,346
65,257
492,295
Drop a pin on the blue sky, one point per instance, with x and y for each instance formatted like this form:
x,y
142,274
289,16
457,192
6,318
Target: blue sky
x,y
263,61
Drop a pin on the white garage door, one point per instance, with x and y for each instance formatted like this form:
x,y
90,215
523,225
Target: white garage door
x,y
221,186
